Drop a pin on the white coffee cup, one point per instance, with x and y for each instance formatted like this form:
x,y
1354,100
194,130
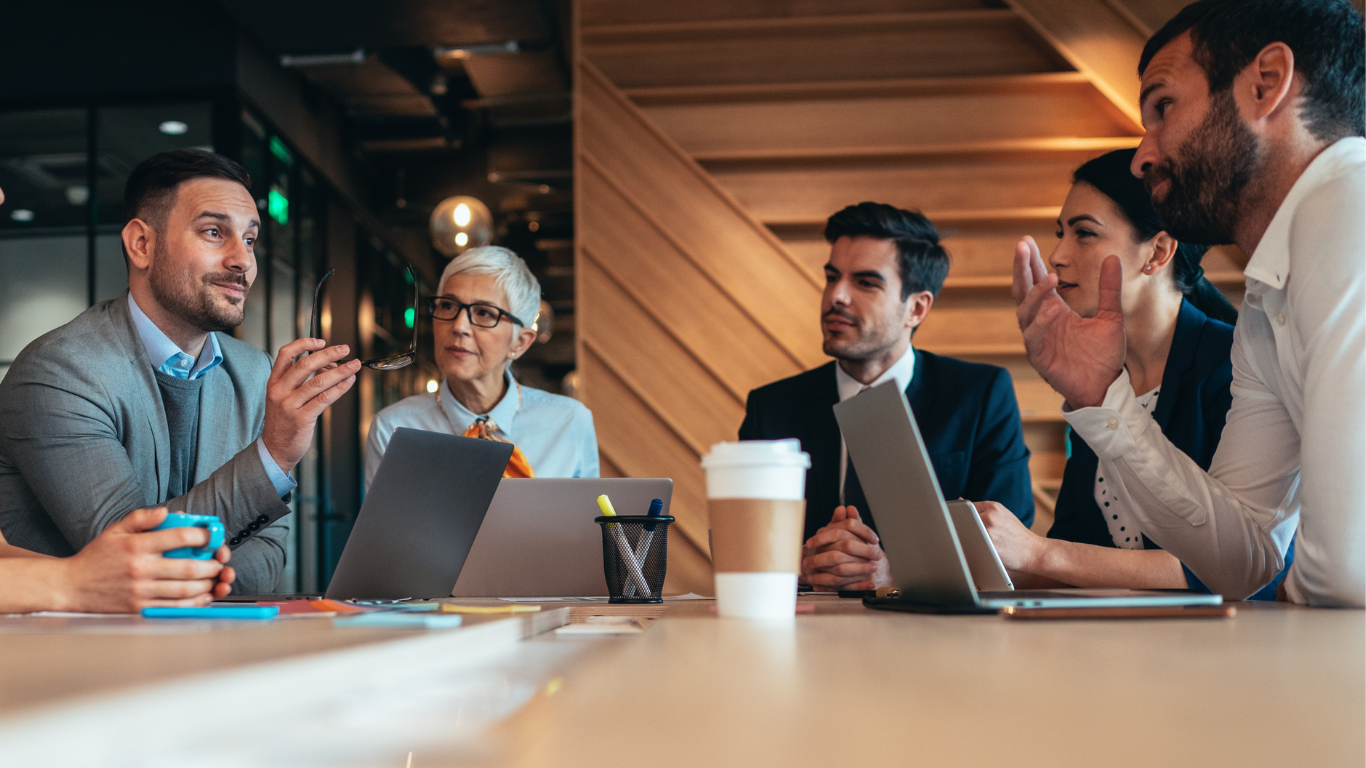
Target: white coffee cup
x,y
756,504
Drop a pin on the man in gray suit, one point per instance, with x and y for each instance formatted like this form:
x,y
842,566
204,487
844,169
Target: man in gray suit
x,y
142,401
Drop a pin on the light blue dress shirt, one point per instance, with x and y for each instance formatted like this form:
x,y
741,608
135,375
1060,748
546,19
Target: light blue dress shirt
x,y
554,432
169,359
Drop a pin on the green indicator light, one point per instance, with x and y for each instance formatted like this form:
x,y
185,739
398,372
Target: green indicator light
x,y
409,316
408,277
277,205
279,149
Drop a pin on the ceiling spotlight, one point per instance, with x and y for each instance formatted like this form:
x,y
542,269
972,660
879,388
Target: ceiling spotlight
x,y
461,238
173,128
433,385
21,214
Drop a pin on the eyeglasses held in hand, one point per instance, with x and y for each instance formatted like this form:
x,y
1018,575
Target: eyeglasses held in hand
x,y
479,314
391,363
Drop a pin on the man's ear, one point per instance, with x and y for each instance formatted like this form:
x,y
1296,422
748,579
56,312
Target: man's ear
x,y
920,303
139,243
1267,83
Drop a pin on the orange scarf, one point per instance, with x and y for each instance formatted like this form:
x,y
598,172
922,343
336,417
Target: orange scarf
x,y
484,428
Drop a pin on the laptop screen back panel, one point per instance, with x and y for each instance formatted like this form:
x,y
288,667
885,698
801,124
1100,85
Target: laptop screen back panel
x,y
899,482
420,516
988,573
539,539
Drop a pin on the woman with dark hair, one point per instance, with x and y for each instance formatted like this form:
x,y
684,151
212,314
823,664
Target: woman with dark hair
x,y
1178,335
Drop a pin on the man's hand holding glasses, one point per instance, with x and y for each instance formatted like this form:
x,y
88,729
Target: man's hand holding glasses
x,y
299,391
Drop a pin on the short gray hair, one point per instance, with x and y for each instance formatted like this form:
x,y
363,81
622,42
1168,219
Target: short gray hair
x,y
510,273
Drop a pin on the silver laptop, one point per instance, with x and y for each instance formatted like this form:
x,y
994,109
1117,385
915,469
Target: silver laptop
x,y
538,538
923,550
420,516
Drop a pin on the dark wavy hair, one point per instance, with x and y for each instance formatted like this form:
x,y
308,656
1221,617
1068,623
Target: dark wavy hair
x,y
922,260
1326,36
1110,174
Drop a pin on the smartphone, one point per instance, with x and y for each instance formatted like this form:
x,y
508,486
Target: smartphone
x,y
1135,612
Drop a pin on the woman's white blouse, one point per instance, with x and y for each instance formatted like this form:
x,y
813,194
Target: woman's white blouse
x,y
554,432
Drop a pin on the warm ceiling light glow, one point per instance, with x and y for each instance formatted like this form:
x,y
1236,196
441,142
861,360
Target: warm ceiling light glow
x,y
173,128
432,385
461,238
462,215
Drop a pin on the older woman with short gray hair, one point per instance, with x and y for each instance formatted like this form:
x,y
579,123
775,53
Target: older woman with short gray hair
x,y
483,320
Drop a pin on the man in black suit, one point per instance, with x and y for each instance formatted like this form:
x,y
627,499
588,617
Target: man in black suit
x,y
885,268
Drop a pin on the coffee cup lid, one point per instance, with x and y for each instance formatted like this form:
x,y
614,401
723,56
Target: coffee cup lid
x,y
783,453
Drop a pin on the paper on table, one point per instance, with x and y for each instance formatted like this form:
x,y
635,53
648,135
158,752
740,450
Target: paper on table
x,y
598,629
602,599
485,609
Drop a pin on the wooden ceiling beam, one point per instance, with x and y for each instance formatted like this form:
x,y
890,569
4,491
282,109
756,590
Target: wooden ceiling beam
x,y
1097,39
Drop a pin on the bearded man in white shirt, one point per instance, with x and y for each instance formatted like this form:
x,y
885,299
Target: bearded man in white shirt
x,y
1254,118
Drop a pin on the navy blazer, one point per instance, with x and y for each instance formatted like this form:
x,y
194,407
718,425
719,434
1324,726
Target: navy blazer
x,y
1193,402
967,414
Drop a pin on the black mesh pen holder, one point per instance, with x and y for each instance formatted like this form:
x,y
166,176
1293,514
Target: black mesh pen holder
x,y
635,557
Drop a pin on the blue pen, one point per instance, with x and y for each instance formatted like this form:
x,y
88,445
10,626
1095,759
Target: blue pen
x,y
643,547
214,612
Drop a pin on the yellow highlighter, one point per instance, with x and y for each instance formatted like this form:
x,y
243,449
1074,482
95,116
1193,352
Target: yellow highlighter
x,y
605,504
623,548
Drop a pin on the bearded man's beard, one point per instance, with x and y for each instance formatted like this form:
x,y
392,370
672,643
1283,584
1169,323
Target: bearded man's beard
x,y
1209,177
191,300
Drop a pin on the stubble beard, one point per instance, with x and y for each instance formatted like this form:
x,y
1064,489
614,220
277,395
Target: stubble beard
x,y
863,347
194,303
1209,177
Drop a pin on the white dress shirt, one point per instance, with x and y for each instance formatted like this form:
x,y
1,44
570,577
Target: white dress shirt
x,y
903,370
1293,449
171,360
554,432
1125,531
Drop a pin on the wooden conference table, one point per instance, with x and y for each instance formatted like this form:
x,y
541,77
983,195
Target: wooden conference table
x,y
1274,686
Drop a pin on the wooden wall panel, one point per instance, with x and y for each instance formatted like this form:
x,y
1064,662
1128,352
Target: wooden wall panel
x,y
664,373
742,257
640,445
1097,38
813,193
597,13
974,43
694,308
805,124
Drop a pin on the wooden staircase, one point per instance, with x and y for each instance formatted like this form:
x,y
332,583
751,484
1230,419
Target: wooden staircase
x,y
713,139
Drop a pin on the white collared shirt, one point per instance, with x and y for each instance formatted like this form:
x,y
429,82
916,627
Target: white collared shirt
x,y
903,370
170,359
554,432
1292,453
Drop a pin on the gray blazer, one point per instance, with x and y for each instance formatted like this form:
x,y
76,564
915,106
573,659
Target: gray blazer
x,y
83,442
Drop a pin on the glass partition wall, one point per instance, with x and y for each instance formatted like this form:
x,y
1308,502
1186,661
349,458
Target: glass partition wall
x,y
63,172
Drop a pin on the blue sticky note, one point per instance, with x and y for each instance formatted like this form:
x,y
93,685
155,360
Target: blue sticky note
x,y
409,619
214,612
